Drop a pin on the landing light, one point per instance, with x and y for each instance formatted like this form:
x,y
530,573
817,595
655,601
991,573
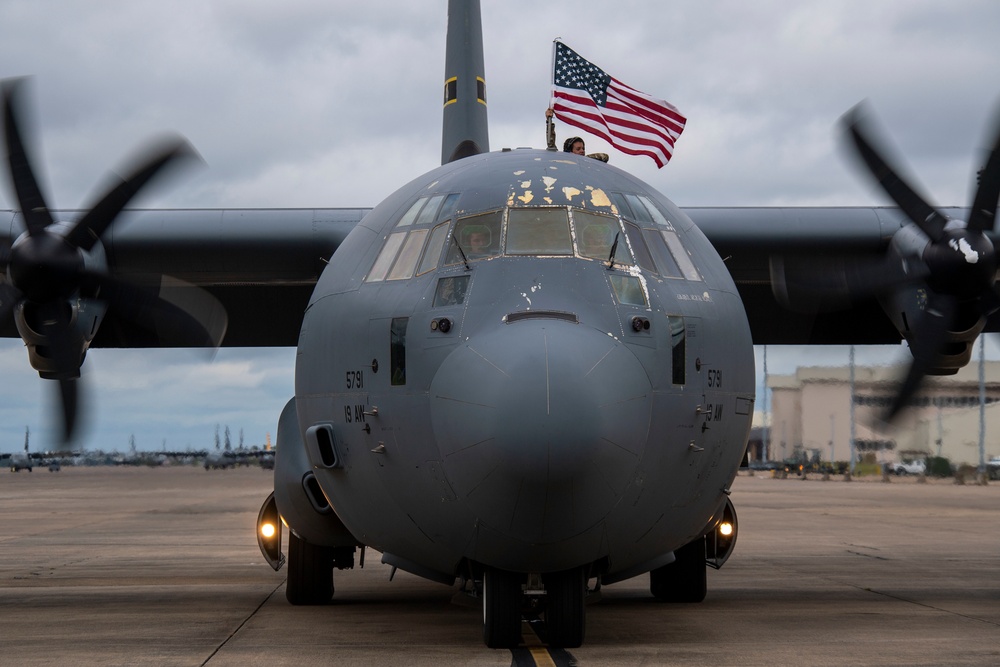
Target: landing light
x,y
720,541
269,533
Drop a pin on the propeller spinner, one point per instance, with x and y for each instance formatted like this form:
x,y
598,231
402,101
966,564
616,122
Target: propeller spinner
x,y
51,269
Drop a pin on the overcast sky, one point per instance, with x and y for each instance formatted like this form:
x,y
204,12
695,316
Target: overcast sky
x,y
315,103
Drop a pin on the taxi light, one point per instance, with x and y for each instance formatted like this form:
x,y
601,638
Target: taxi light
x,y
269,533
720,541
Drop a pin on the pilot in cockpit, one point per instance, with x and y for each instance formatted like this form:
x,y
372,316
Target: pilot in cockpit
x,y
595,240
477,241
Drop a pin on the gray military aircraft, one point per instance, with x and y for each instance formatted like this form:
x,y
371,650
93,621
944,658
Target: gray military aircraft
x,y
22,460
525,369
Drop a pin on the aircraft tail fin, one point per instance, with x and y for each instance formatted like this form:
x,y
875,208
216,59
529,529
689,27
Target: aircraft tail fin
x,y
465,129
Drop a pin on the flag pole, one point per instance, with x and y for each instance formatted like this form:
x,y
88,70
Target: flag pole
x,y
550,125
552,70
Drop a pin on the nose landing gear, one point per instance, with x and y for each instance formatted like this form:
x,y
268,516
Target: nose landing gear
x,y
564,604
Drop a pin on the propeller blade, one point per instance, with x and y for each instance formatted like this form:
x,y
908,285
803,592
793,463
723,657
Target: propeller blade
x,y
930,334
99,217
916,208
984,206
29,194
178,314
55,318
69,400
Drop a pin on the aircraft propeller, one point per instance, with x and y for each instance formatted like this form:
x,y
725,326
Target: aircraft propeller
x,y
952,261
50,267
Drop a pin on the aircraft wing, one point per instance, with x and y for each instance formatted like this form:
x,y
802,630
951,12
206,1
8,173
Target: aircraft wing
x,y
748,237
261,264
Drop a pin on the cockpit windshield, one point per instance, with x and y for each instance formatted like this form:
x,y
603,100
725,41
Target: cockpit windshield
x,y
541,231
538,231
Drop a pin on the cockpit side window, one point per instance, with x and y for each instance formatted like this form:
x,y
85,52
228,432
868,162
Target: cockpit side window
x,y
407,260
478,236
428,210
428,213
666,265
411,213
669,255
639,210
624,209
654,212
639,247
448,208
384,260
680,253
432,252
451,291
538,231
628,289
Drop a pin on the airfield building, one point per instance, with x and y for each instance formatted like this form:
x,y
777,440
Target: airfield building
x,y
811,413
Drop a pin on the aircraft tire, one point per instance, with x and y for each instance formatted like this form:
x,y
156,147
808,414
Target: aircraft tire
x,y
565,615
684,580
501,608
310,572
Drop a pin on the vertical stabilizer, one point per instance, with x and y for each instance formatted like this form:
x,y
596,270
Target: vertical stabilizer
x,y
465,131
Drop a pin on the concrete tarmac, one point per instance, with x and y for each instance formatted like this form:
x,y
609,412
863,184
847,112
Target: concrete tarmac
x,y
140,566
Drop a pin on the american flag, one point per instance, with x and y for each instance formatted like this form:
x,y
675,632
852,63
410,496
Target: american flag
x,y
586,96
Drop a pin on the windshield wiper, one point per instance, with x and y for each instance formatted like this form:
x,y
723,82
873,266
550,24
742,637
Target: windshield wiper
x,y
462,252
614,249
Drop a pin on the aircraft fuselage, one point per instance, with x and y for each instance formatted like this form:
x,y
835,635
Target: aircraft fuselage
x,y
528,360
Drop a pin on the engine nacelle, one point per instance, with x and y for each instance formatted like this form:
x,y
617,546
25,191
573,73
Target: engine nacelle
x,y
905,307
84,317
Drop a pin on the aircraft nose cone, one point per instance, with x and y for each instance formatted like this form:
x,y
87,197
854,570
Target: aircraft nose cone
x,y
541,425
